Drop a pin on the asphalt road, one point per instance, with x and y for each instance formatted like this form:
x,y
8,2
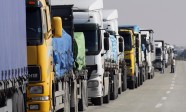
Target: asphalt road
x,y
164,93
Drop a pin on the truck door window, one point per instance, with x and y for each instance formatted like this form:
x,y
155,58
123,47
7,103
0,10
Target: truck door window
x,y
33,26
44,21
127,41
91,38
158,52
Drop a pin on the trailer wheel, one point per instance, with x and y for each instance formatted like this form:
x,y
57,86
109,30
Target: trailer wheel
x,y
83,102
97,101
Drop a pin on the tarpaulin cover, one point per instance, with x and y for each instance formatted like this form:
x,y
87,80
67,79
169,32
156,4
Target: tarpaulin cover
x,y
108,54
13,55
114,48
63,55
135,28
79,50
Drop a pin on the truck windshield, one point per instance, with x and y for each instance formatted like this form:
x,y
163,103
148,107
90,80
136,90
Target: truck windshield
x,y
91,41
128,42
158,52
33,26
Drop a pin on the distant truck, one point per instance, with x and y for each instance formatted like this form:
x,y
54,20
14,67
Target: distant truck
x,y
149,48
130,59
160,55
13,58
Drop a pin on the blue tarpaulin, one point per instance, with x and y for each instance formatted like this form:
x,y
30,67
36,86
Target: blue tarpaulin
x,y
63,55
114,48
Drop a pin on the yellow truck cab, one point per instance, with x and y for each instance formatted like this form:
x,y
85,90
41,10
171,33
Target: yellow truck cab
x,y
130,58
39,52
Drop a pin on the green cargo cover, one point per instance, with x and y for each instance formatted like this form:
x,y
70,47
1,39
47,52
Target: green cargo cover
x,y
79,51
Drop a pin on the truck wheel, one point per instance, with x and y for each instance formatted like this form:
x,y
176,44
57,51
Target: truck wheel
x,y
83,102
106,98
149,76
113,94
131,84
124,82
119,90
136,82
97,101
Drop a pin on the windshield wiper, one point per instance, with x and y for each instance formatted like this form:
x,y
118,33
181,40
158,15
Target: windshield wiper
x,y
31,29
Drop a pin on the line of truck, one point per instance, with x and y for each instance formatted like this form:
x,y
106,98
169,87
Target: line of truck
x,y
57,55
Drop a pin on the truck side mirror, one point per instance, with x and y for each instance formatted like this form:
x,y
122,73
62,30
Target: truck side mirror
x,y
106,34
121,45
106,43
152,48
57,26
137,42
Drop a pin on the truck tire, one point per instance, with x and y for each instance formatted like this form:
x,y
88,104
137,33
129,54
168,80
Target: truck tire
x,y
131,84
125,80
83,102
97,101
149,76
113,94
136,82
119,90
123,85
106,99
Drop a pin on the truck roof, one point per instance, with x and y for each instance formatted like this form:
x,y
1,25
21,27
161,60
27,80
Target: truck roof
x,y
149,30
80,5
110,14
135,28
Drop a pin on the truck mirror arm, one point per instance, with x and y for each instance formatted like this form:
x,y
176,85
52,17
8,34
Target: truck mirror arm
x,y
102,54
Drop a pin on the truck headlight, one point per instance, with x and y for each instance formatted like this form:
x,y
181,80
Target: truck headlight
x,y
93,83
36,90
34,107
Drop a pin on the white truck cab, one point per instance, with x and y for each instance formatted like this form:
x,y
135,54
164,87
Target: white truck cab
x,y
88,19
160,55
110,24
149,56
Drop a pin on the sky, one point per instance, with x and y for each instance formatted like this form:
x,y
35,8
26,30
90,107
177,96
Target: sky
x,y
166,17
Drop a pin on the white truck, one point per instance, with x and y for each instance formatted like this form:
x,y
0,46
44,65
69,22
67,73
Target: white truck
x,y
148,49
160,55
110,24
88,19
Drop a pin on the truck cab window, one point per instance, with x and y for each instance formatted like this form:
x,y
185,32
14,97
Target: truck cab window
x,y
158,52
33,26
127,41
91,41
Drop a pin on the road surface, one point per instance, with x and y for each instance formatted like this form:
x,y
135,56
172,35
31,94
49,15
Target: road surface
x,y
165,93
